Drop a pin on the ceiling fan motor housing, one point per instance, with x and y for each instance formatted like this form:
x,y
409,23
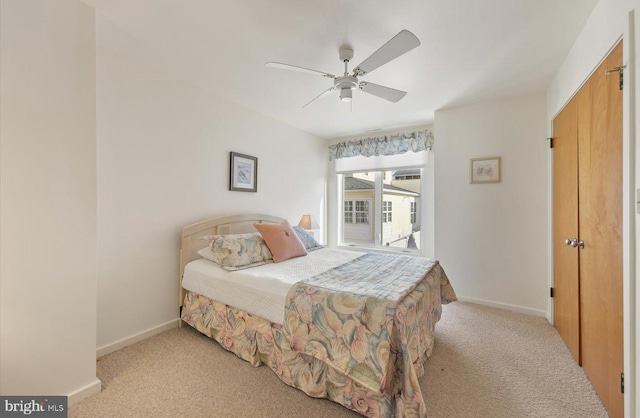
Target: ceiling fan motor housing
x,y
344,85
346,54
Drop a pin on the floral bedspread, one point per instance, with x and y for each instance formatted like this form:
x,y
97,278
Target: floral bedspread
x,y
380,342
348,317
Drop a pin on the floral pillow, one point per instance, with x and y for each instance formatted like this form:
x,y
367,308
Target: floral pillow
x,y
239,251
308,240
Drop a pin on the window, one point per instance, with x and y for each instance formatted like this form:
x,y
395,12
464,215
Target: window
x,y
361,213
380,211
406,177
412,215
386,211
407,174
348,211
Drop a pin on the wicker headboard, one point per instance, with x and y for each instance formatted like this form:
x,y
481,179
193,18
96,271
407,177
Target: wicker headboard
x,y
234,224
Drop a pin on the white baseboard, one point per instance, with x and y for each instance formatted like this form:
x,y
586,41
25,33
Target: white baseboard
x,y
91,389
118,345
506,306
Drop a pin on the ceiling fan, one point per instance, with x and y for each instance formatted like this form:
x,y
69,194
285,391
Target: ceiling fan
x,y
400,44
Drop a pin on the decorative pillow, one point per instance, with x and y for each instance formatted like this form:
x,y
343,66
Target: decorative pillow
x,y
238,251
281,240
307,239
207,253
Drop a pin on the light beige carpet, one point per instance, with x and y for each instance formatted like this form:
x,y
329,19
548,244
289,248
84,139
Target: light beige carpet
x,y
486,363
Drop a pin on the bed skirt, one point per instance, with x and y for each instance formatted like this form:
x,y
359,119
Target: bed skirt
x,y
259,342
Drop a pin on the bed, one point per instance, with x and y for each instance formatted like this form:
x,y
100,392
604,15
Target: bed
x,y
313,321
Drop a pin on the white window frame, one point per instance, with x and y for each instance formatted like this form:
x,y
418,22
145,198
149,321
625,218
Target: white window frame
x,y
425,210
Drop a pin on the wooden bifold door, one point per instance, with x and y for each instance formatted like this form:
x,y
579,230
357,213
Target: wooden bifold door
x,y
587,230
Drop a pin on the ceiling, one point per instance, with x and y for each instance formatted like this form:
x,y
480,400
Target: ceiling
x,y
471,51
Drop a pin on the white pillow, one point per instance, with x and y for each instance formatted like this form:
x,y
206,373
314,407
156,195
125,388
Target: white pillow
x,y
207,253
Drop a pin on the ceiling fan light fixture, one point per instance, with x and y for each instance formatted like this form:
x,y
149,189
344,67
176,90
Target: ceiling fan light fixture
x,y
346,95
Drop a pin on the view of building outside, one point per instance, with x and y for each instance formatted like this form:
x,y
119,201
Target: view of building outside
x,y
399,215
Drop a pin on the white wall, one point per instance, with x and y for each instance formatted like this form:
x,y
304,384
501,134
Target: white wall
x,y
610,21
48,199
605,26
491,239
163,163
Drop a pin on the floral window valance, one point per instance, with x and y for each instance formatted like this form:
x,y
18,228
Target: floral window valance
x,y
383,145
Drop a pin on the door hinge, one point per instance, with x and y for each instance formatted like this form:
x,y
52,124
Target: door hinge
x,y
620,71
621,84
622,382
550,142
551,292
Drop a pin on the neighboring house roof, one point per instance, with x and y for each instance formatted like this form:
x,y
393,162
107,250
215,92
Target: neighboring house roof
x,y
352,183
407,172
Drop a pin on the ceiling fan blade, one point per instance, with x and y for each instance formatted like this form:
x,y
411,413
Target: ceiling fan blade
x,y
296,68
321,95
383,92
402,43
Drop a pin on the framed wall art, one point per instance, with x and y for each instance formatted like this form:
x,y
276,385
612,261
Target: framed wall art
x,y
485,170
243,175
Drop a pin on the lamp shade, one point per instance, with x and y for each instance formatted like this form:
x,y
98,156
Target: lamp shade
x,y
308,222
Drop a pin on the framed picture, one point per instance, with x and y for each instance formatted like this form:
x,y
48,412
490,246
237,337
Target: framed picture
x,y
485,170
243,175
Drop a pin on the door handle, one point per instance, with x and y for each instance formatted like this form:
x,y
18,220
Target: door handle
x,y
581,244
573,242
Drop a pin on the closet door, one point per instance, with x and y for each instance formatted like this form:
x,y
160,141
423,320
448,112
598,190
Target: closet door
x,y
566,308
600,226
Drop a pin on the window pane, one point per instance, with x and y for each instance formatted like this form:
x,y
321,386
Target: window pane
x,y
362,218
413,212
358,196
362,205
396,219
362,212
387,209
401,225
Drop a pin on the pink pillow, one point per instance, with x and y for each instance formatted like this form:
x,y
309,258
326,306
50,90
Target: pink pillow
x,y
281,240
